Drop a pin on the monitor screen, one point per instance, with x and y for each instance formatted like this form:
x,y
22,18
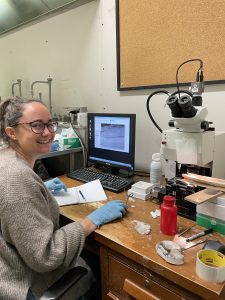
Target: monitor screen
x,y
111,140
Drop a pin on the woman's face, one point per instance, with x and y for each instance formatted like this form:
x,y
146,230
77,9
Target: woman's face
x,y
29,143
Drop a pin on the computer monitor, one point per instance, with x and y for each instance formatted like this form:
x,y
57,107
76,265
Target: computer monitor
x,y
111,141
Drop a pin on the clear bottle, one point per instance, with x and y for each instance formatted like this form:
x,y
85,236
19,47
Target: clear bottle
x,y
156,170
168,216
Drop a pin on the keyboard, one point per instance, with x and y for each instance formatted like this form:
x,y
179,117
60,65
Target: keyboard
x,y
109,182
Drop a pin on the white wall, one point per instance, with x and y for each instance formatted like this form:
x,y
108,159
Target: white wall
x,y
78,50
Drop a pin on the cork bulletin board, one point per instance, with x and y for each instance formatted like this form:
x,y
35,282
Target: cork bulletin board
x,y
155,36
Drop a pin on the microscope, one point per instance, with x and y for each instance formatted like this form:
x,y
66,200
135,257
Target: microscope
x,y
192,142
190,145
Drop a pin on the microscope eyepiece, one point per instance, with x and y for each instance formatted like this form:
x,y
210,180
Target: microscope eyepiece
x,y
188,110
172,102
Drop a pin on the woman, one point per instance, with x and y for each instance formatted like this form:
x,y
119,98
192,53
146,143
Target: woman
x,y
34,250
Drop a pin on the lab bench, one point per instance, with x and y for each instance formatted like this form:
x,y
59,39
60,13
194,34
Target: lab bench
x,y
130,266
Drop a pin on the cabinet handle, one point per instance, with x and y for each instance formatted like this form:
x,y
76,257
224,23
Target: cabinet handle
x,y
137,292
147,283
111,296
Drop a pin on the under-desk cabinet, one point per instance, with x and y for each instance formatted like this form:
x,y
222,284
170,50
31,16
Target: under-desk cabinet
x,y
123,279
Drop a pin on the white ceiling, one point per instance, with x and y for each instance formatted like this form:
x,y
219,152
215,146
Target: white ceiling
x,y
14,13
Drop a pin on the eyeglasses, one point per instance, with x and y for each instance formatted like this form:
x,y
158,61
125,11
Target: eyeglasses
x,y
39,127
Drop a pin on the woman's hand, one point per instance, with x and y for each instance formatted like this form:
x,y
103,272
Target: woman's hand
x,y
55,185
110,211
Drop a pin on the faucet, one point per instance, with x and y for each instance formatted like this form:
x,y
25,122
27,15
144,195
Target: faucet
x,y
19,84
49,82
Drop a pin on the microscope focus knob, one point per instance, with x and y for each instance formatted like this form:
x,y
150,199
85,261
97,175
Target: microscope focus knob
x,y
171,123
205,125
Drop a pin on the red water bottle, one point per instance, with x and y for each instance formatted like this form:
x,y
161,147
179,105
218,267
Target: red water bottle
x,y
168,217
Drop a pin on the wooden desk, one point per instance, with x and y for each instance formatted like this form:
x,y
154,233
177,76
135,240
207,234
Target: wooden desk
x,y
129,260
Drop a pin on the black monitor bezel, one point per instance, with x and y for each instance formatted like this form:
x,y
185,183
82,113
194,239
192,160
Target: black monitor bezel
x,y
130,157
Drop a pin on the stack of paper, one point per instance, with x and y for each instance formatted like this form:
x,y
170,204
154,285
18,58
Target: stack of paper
x,y
85,193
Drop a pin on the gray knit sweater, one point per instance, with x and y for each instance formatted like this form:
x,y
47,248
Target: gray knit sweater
x,y
34,251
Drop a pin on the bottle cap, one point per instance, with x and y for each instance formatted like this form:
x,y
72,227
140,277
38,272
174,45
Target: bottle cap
x,y
156,156
168,199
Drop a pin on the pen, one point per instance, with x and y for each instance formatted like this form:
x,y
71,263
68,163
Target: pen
x,y
82,195
202,233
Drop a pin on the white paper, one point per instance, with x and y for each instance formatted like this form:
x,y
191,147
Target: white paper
x,y
92,192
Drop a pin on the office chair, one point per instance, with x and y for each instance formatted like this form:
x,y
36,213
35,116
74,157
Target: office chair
x,y
62,285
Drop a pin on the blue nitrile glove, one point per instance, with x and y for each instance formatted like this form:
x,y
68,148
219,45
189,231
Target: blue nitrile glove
x,y
55,185
108,212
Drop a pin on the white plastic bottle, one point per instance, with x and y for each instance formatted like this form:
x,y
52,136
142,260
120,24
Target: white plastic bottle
x,y
156,170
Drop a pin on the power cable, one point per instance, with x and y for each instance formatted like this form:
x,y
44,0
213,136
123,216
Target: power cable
x,y
198,75
148,110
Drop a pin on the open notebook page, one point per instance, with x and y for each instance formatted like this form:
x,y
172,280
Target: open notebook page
x,y
85,193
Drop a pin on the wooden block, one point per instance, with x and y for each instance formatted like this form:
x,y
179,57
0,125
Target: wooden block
x,y
205,179
203,196
207,186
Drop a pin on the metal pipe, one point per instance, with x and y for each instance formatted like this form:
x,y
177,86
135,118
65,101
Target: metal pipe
x,y
19,84
49,82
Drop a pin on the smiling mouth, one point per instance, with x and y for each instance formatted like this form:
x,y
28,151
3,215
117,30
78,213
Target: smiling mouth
x,y
44,142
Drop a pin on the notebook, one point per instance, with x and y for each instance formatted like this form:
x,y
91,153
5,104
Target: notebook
x,y
85,193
